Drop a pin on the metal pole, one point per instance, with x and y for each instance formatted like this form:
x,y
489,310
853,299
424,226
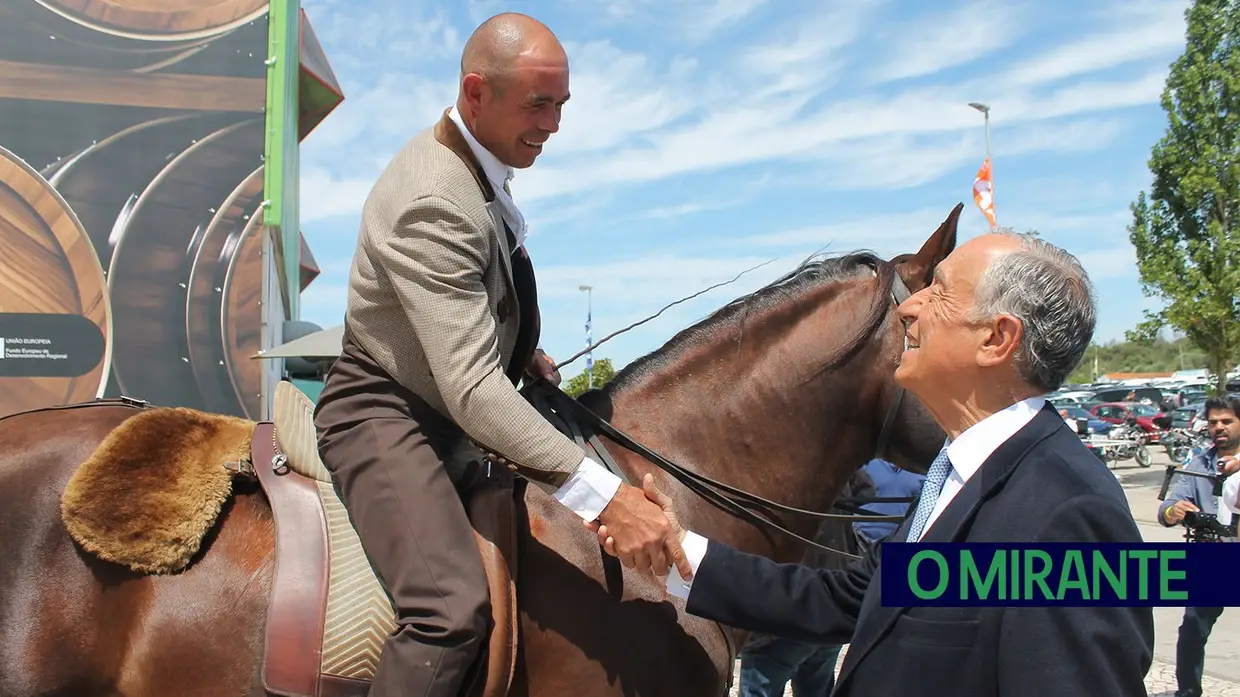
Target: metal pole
x,y
986,117
590,314
986,120
589,290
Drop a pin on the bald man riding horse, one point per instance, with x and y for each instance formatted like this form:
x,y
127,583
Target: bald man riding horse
x,y
442,324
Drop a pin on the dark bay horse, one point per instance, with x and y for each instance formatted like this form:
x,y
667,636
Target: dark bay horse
x,y
782,393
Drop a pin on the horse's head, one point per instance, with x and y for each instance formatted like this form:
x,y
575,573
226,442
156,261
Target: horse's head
x,y
787,391
915,438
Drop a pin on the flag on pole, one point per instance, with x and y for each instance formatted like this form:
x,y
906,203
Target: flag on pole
x,y
589,354
983,192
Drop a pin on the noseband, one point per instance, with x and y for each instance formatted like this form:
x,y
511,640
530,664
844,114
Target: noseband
x,y
585,427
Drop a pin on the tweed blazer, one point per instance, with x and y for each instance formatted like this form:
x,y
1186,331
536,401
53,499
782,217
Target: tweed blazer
x,y
433,302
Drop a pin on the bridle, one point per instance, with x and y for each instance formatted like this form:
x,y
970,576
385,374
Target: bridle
x,y
584,426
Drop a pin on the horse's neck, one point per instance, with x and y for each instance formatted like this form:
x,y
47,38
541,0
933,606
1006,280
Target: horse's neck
x,y
752,414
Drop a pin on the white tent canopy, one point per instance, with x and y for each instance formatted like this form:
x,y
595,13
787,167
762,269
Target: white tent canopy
x,y
322,344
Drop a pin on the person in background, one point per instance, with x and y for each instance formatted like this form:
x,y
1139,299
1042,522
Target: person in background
x,y
889,482
1067,418
1196,494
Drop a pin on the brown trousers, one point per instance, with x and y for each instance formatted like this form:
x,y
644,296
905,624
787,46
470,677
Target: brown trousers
x,y
401,469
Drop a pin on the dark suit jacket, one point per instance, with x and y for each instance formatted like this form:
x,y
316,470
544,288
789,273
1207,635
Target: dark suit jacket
x,y
1042,485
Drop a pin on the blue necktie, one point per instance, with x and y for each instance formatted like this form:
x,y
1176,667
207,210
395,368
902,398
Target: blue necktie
x,y
930,491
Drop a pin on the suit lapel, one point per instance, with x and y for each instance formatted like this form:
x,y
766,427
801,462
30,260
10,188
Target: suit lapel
x,y
529,320
952,525
450,137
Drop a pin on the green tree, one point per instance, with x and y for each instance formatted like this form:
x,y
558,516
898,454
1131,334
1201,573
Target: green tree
x,y
1137,357
1187,231
603,373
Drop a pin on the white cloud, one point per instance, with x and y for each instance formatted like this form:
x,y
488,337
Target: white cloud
x,y
638,119
718,14
1102,264
406,32
801,58
651,281
778,131
928,44
324,303
687,20
685,90
1088,97
617,97
1146,31
324,195
887,234
482,10
690,208
343,157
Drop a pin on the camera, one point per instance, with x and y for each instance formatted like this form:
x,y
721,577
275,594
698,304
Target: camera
x,y
1205,527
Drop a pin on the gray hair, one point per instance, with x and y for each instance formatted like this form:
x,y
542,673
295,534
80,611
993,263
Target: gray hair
x,y
1047,289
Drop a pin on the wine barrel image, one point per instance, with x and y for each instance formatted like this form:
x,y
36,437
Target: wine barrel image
x,y
149,271
204,305
55,324
137,35
159,20
242,318
102,180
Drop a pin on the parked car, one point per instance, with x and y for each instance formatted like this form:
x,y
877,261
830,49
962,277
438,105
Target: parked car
x,y
1192,395
1185,415
1149,417
1148,395
1068,397
1093,425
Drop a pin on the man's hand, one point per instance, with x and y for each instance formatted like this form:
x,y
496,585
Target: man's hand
x,y
1229,464
640,528
1176,513
542,367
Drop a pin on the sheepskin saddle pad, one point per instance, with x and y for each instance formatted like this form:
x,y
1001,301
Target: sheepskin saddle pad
x,y
149,494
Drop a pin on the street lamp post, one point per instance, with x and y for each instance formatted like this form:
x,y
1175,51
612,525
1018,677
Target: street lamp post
x,y
986,119
589,320
985,109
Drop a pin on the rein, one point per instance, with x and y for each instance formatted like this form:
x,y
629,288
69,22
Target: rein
x,y
551,401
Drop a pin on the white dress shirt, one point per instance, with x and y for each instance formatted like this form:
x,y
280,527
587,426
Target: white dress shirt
x,y
1227,504
499,175
978,442
588,491
1231,491
967,453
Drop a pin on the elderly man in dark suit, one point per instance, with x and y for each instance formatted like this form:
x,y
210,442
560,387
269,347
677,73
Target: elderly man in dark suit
x,y
1006,318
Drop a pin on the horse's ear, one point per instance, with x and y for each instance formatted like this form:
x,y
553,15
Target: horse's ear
x,y
917,270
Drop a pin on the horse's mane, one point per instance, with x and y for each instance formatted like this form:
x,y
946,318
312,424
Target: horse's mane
x,y
817,270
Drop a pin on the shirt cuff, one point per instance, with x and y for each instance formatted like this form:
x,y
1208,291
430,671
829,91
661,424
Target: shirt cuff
x,y
588,491
694,546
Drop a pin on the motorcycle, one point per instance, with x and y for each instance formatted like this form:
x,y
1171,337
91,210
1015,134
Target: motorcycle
x,y
1125,441
1184,444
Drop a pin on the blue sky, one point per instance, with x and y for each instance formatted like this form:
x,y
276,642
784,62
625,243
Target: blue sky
x,y
705,137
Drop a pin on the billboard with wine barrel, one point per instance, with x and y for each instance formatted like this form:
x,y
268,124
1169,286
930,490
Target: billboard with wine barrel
x,y
131,193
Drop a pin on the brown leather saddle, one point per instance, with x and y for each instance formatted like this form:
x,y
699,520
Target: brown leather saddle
x,y
328,615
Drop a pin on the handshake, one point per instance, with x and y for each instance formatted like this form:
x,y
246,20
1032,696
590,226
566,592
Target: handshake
x,y
639,527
